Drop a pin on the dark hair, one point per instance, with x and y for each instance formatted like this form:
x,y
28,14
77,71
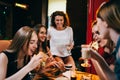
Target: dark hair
x,y
37,28
59,13
110,12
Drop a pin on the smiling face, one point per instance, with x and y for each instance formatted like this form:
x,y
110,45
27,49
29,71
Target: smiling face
x,y
42,34
100,31
32,45
97,37
59,21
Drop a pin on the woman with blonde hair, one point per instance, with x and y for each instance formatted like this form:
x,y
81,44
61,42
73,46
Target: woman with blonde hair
x,y
108,22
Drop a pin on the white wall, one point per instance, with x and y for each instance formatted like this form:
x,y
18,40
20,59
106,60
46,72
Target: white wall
x,y
54,5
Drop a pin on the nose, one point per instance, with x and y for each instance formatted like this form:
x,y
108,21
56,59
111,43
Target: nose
x,y
35,45
45,35
95,36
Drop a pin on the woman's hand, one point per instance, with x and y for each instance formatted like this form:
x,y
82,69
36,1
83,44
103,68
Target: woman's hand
x,y
94,54
69,47
61,66
50,59
34,62
56,64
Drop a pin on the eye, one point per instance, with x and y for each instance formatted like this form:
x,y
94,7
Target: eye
x,y
42,33
31,42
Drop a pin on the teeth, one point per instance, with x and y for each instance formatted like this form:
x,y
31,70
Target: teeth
x,y
32,51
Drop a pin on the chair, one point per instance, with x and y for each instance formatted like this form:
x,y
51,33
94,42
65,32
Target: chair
x,y
4,44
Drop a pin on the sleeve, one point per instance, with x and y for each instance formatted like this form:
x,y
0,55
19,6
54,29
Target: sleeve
x,y
71,36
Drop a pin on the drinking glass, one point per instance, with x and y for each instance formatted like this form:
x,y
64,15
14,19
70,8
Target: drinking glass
x,y
85,56
68,66
73,76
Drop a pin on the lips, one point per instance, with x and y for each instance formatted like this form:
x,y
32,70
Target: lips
x,y
33,50
43,39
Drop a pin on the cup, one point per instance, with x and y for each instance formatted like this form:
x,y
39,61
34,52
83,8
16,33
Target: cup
x,y
73,78
73,75
85,54
68,66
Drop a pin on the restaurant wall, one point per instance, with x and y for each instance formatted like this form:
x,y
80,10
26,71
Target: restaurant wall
x,y
77,12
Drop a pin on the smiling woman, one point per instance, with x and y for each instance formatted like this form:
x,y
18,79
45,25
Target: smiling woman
x,y
108,22
60,35
18,54
49,67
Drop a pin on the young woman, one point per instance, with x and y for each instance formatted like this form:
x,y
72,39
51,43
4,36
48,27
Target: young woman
x,y
47,60
106,44
108,22
60,35
14,61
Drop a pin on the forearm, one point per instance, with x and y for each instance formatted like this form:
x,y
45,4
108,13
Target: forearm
x,y
103,66
99,70
20,74
34,62
107,71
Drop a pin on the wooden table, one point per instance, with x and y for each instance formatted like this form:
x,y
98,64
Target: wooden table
x,y
79,76
87,76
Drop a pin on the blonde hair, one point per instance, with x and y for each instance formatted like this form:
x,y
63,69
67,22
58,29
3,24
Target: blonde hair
x,y
110,12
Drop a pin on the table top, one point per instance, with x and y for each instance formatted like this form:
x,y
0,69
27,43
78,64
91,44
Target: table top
x,y
78,76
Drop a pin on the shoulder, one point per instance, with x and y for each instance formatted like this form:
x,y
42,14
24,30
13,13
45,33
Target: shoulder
x,y
69,28
3,65
3,57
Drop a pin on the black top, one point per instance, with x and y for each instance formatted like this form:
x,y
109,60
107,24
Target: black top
x,y
12,65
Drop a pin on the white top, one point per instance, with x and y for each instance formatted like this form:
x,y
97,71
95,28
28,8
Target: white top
x,y
59,39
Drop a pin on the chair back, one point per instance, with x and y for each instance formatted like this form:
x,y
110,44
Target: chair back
x,y
4,44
